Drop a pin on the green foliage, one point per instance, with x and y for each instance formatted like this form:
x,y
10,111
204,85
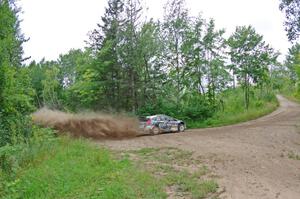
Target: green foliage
x,y
65,168
293,155
290,61
195,107
175,31
250,57
51,87
11,39
17,102
291,8
297,65
105,73
15,89
15,157
231,109
48,81
86,91
291,74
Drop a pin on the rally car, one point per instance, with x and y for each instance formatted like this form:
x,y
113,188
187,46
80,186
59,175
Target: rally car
x,y
156,124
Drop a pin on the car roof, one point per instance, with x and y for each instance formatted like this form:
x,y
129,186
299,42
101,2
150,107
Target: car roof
x,y
152,116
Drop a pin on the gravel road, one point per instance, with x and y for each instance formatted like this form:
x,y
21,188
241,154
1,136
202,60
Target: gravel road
x,y
255,159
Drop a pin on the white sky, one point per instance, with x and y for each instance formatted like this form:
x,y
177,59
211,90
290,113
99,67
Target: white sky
x,y
56,26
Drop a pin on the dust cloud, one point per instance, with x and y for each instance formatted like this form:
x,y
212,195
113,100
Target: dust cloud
x,y
89,125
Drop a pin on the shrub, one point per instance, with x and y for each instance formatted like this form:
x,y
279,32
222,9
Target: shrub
x,y
15,104
195,107
12,157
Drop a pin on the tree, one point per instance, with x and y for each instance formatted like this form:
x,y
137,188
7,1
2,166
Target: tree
x,y
291,59
87,91
204,51
69,65
297,69
150,53
15,88
175,33
194,50
291,8
130,58
213,47
250,57
51,88
10,42
106,68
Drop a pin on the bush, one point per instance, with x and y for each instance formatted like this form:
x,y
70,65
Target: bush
x,y
14,129
15,104
12,157
195,107
231,108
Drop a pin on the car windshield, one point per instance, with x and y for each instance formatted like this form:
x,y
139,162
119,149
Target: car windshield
x,y
153,118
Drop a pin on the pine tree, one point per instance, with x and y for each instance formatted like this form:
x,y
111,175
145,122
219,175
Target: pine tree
x,y
107,68
129,54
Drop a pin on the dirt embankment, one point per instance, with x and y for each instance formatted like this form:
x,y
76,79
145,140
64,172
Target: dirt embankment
x,y
89,125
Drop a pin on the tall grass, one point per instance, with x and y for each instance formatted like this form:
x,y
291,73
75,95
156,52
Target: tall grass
x,y
233,110
62,167
290,91
75,169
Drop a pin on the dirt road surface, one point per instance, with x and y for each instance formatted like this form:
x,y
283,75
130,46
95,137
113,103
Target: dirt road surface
x,y
252,160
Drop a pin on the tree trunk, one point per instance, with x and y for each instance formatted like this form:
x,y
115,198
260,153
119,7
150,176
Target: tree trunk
x,y
246,92
177,72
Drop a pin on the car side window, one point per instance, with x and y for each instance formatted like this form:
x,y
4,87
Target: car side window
x,y
166,118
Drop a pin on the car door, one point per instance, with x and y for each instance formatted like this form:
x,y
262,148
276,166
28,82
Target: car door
x,y
173,123
163,124
168,123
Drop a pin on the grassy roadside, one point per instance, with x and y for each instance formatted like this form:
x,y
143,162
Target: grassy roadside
x,y
290,92
234,111
292,98
75,169
66,168
181,173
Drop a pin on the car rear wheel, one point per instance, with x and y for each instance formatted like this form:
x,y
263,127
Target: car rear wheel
x,y
155,131
181,128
